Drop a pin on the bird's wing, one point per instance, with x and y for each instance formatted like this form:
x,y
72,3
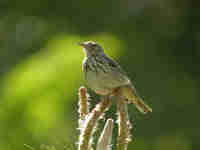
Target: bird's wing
x,y
116,70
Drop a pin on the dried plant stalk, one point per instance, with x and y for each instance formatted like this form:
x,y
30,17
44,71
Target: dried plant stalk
x,y
83,102
85,139
124,126
104,142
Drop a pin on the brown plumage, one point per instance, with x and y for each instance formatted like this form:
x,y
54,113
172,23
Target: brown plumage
x,y
104,75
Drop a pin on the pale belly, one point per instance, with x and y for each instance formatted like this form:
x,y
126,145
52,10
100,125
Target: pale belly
x,y
103,83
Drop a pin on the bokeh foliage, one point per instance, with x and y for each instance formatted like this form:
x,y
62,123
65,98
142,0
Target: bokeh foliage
x,y
156,42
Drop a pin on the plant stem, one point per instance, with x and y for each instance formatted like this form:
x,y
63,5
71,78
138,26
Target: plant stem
x,y
85,139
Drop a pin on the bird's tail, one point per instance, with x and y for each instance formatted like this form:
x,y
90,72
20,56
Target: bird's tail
x,y
129,93
141,106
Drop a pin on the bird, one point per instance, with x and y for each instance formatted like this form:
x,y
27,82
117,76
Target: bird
x,y
104,75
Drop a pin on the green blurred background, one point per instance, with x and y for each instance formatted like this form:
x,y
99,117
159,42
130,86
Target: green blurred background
x,y
156,42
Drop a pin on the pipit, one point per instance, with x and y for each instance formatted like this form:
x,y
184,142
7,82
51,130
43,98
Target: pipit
x,y
104,75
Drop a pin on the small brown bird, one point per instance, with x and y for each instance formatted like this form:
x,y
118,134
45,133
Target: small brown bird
x,y
104,75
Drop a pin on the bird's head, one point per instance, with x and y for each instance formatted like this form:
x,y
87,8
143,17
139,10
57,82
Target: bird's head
x,y
91,48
